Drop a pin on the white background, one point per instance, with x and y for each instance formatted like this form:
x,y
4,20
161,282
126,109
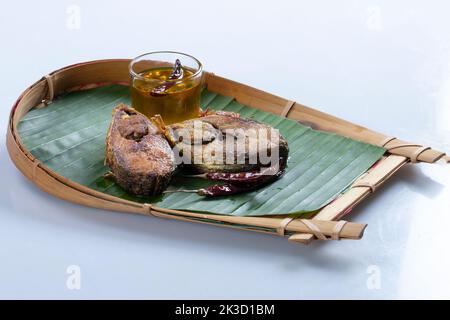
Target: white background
x,y
382,64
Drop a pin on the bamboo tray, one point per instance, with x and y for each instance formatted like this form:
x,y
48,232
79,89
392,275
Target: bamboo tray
x,y
322,225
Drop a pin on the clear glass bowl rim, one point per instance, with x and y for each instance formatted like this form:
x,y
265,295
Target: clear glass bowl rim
x,y
138,76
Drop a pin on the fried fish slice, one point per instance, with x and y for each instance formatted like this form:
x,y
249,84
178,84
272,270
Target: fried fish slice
x,y
215,132
139,156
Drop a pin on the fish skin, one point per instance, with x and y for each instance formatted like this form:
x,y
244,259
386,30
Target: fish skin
x,y
214,126
138,154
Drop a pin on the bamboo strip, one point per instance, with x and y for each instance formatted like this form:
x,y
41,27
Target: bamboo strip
x,y
314,118
349,231
340,207
117,71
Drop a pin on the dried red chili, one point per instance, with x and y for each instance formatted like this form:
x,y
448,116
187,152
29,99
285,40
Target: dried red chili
x,y
236,182
177,73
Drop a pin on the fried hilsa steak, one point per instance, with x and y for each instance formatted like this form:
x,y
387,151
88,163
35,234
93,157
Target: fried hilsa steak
x,y
139,156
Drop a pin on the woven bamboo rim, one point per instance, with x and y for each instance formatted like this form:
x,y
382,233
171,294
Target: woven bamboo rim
x,y
323,226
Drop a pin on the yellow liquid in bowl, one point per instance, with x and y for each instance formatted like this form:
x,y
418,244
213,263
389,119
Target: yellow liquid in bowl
x,y
175,101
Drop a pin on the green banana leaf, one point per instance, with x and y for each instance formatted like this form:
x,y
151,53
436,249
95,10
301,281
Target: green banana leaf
x,y
68,136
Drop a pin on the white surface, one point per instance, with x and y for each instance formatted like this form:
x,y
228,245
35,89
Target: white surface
x,y
381,64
